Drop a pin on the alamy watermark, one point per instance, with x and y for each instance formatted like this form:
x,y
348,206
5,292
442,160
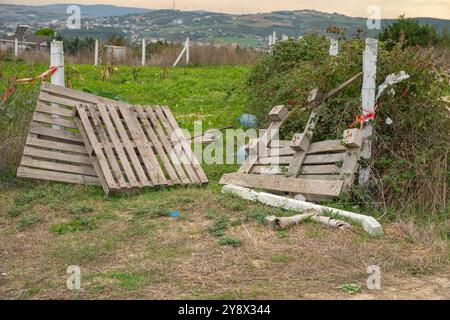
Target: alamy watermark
x,y
73,282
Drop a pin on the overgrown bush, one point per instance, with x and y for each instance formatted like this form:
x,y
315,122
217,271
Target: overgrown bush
x,y
410,155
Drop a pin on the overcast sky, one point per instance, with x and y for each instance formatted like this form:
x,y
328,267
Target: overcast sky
x,y
390,8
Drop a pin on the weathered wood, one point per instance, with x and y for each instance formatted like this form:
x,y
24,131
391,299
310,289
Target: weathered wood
x,y
316,159
55,166
263,141
25,172
368,102
304,145
281,183
159,149
278,113
118,147
167,144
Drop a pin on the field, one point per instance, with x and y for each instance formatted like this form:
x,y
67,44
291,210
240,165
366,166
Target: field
x,y
218,248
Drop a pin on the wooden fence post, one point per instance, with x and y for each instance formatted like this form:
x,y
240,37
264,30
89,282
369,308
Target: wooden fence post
x,y
16,47
57,60
334,47
96,53
143,52
368,104
188,51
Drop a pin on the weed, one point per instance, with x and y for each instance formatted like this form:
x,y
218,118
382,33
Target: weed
x,y
257,215
76,224
27,221
78,209
15,210
150,211
229,241
351,288
219,225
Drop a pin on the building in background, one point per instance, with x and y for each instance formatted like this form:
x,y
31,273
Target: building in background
x,y
26,41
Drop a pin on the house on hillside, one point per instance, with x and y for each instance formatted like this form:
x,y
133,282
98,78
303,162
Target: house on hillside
x,y
25,40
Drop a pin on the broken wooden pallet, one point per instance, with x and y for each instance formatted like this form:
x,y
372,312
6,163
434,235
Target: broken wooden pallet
x,y
322,169
54,149
133,147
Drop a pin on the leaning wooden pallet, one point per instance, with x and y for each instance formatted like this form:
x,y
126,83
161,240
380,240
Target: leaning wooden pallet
x,y
54,149
317,170
121,143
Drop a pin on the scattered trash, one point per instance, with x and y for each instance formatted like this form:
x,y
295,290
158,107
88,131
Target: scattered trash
x,y
241,155
286,222
389,121
248,120
174,214
3,274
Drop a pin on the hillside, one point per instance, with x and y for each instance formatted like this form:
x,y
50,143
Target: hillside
x,y
173,25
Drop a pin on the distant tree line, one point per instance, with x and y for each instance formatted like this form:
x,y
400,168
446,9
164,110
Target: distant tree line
x,y
409,32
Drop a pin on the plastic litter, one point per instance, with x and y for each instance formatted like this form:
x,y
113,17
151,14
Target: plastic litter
x,y
248,120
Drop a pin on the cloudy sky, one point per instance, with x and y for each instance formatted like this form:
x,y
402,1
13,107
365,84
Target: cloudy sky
x,y
390,8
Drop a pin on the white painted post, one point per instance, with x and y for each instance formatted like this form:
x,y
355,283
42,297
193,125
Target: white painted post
x,y
188,51
334,47
274,38
143,52
16,47
284,37
96,53
368,103
270,40
57,60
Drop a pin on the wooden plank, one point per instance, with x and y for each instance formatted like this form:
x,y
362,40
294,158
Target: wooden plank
x,y
24,172
41,117
309,159
82,120
67,102
327,146
111,157
266,138
42,107
185,145
321,169
129,148
177,145
81,97
168,145
40,129
157,144
37,142
55,155
94,160
299,156
55,166
118,146
281,183
281,170
143,147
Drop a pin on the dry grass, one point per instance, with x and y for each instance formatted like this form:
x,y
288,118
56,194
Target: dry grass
x,y
200,55
133,254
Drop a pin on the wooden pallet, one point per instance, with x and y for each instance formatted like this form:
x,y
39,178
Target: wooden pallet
x,y
317,170
133,147
54,149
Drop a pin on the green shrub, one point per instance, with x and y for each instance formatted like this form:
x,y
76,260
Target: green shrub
x,y
229,241
76,224
410,155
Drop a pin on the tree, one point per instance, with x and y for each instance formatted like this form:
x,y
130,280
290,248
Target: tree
x,y
47,32
410,33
